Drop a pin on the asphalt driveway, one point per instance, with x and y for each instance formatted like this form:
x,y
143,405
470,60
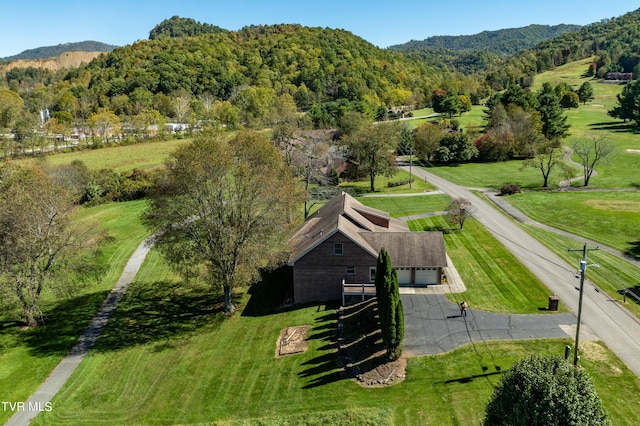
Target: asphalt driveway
x,y
434,325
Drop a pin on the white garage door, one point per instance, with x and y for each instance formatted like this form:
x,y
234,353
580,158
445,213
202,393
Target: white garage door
x,y
426,276
404,276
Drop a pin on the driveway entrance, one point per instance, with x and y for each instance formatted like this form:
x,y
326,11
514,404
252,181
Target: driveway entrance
x,y
433,325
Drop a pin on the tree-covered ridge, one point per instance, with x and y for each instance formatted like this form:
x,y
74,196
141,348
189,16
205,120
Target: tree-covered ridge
x,y
615,43
501,42
182,27
57,50
311,64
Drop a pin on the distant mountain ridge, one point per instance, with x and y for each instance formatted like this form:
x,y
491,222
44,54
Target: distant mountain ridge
x,y
47,52
503,42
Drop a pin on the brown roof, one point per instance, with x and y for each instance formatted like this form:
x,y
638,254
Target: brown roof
x,y
406,249
342,214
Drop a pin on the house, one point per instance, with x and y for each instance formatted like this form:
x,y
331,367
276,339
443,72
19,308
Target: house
x,y
619,76
341,241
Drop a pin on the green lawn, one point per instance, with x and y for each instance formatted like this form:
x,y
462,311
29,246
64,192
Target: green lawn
x,y
496,281
409,205
608,217
168,356
28,356
381,184
495,175
621,170
120,158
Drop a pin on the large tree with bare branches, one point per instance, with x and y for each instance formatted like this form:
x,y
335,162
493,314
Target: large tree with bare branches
x,y
591,152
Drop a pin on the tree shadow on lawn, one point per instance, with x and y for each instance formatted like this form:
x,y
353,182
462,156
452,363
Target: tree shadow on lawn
x,y
633,250
63,324
614,126
161,312
355,346
269,294
324,368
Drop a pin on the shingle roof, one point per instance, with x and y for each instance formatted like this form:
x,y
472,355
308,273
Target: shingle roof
x,y
406,249
342,214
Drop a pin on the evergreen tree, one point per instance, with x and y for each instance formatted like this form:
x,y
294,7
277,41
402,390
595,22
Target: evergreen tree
x,y
390,311
628,103
542,391
585,92
554,122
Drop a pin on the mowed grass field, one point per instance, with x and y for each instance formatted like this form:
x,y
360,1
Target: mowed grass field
x,y
168,356
609,217
28,356
402,206
142,156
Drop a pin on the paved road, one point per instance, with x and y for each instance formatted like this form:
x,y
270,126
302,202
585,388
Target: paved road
x,y
611,322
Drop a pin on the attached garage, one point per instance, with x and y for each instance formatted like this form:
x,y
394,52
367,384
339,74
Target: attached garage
x,y
427,276
404,276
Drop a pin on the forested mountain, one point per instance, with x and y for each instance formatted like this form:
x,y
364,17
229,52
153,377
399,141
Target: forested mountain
x,y
614,42
46,52
182,27
311,64
504,42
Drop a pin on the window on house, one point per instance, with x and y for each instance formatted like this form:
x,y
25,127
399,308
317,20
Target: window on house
x,y
338,249
372,274
351,270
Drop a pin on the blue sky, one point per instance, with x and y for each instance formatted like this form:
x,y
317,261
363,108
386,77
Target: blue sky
x,y
35,23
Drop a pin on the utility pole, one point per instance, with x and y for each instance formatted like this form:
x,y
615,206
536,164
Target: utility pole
x,y
583,269
410,165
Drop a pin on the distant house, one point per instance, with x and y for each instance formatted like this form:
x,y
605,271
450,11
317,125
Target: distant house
x,y
340,244
619,76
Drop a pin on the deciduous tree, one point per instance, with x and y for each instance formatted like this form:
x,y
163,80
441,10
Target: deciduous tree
x,y
372,150
105,123
427,140
549,156
591,152
455,147
542,391
37,238
223,209
570,100
458,211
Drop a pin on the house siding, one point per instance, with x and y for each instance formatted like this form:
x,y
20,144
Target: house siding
x,y
317,276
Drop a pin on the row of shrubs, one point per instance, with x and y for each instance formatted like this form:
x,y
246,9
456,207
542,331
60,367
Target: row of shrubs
x,y
393,184
93,187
